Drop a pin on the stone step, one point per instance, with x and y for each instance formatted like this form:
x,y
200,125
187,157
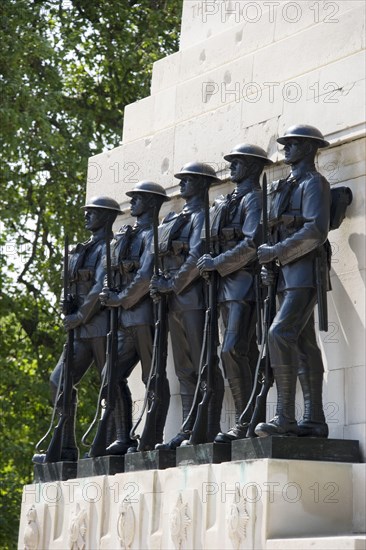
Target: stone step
x,y
347,542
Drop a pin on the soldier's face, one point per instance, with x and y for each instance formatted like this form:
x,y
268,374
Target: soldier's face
x,y
189,186
238,169
295,150
95,218
138,204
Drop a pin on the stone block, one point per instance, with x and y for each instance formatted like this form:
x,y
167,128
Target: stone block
x,y
261,102
351,542
238,41
214,89
166,72
191,137
333,400
296,448
331,83
263,134
54,471
149,460
317,499
357,431
355,395
233,504
343,163
151,157
108,174
100,465
138,119
202,19
205,453
165,109
347,34
346,112
346,308
359,498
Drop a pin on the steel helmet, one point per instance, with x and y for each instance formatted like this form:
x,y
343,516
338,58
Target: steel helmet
x,y
304,131
146,186
102,201
197,169
247,150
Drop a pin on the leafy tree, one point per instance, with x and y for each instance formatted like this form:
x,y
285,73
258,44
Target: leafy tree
x,y
67,70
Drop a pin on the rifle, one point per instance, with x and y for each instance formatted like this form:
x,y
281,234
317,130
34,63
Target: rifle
x,y
321,288
259,413
99,444
154,387
209,357
53,453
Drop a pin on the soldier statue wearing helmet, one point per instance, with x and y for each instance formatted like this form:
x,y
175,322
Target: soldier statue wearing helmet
x,y
132,269
88,320
180,246
235,232
298,218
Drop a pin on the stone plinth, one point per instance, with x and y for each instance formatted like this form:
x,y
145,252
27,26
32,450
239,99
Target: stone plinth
x,y
149,460
296,448
54,471
100,465
205,453
241,504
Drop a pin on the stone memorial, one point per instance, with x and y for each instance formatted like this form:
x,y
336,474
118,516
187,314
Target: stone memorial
x,y
246,72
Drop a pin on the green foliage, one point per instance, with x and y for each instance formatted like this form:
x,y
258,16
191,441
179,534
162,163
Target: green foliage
x,y
68,68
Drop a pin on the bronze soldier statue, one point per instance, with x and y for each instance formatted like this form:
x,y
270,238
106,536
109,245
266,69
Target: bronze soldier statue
x,y
89,320
298,219
180,245
235,233
132,267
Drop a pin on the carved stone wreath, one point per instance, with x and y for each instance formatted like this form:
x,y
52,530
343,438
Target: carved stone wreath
x,y
78,528
31,532
126,524
180,521
237,518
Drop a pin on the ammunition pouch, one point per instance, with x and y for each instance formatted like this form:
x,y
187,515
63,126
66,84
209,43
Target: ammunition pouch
x,y
173,262
128,266
229,238
180,247
341,199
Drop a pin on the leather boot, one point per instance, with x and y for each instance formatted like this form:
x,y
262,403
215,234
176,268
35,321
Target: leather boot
x,y
240,390
123,422
284,423
313,422
187,401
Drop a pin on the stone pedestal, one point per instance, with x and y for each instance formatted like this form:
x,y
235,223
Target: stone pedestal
x,y
205,453
246,504
296,448
54,471
101,465
149,460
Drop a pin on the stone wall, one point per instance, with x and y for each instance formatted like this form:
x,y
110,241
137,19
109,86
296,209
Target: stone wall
x,y
246,71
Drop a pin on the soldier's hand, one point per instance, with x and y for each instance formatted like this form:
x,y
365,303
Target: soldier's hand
x,y
266,254
267,276
71,321
160,285
206,263
109,298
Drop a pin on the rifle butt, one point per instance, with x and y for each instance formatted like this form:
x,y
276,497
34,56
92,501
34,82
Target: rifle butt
x,y
54,451
200,428
148,437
